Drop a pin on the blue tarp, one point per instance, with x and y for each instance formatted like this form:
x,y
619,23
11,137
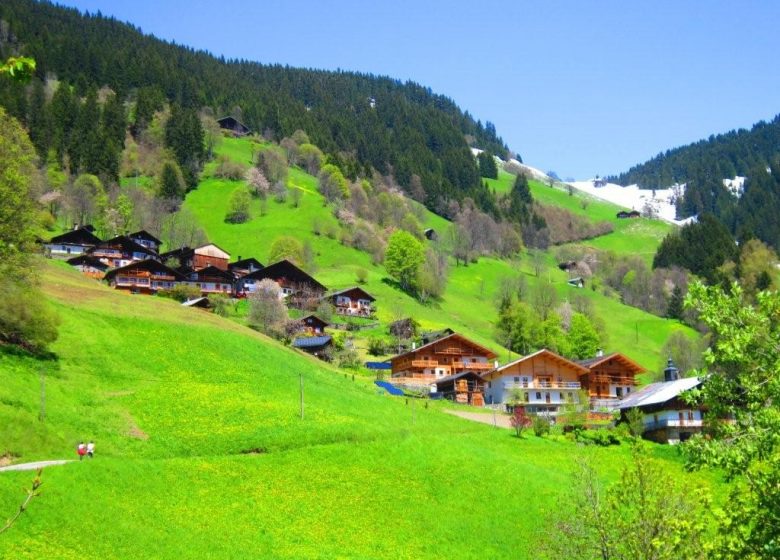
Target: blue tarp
x,y
390,388
378,365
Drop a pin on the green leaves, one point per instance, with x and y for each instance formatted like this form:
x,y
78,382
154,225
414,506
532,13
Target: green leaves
x,y
19,69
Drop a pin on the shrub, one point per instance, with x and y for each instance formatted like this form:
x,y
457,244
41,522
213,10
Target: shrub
x,y
540,425
238,208
376,346
519,420
603,438
361,274
221,304
229,169
181,292
25,317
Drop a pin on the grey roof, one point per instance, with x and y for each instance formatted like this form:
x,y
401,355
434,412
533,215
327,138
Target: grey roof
x,y
311,342
659,393
194,302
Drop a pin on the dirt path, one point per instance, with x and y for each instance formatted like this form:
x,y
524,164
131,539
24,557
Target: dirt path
x,y
501,420
35,466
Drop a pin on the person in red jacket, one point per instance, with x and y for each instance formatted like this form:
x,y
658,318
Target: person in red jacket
x,y
81,450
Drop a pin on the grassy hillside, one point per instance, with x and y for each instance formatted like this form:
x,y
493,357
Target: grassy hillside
x,y
175,398
636,236
468,303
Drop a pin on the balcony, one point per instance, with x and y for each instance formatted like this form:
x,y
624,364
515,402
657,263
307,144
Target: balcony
x,y
479,366
570,385
672,423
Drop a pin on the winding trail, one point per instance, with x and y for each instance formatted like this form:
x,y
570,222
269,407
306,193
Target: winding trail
x,y
35,465
501,419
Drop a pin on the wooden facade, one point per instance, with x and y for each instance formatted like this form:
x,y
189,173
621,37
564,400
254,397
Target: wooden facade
x,y
236,127
121,251
89,266
297,287
210,255
542,382
465,388
211,280
242,267
312,325
143,277
441,358
71,243
146,239
609,378
353,302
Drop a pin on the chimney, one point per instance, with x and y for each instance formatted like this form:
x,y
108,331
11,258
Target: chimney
x,y
239,257
414,346
671,373
599,353
75,226
495,364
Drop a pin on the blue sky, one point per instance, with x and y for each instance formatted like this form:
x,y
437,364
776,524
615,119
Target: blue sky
x,y
582,88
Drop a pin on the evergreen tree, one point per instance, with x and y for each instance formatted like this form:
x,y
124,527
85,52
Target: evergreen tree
x,y
171,184
675,307
487,165
184,136
38,120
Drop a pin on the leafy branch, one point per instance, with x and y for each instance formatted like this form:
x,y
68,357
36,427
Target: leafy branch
x,y
32,492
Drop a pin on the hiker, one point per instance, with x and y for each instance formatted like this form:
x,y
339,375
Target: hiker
x,y
81,450
90,449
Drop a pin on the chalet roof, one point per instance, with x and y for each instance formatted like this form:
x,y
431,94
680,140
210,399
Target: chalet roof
x,y
311,342
245,262
177,253
209,271
366,295
624,360
457,376
313,317
88,260
80,236
230,122
659,393
145,235
147,265
126,244
543,352
488,353
197,302
211,250
284,269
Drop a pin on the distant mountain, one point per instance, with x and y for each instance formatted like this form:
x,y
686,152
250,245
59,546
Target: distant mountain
x,y
365,121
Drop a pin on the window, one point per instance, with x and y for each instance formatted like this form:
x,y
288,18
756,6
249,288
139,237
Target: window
x,y
619,392
490,384
527,396
538,396
517,380
570,397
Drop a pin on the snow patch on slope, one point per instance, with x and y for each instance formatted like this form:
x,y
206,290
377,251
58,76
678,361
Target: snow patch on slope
x,y
658,202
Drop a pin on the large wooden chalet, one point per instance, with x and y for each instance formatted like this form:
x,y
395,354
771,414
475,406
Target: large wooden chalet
x,y
146,239
446,356
609,378
541,382
143,277
353,302
296,286
120,251
71,243
199,257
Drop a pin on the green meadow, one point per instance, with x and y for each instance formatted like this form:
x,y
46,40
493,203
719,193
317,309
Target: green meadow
x,y
468,304
202,451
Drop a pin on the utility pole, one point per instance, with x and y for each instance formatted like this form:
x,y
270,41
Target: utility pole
x,y
42,412
301,375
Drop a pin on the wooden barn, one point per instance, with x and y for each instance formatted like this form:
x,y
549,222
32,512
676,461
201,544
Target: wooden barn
x,y
466,387
233,125
623,214
89,266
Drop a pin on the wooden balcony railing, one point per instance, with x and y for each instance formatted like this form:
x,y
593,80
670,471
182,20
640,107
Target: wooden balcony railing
x,y
542,385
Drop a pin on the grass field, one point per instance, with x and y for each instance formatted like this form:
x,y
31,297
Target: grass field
x,y
201,451
468,303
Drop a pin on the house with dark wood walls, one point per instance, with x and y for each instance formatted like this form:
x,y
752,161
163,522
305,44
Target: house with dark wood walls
x,y
352,302
120,251
71,243
449,355
297,287
143,277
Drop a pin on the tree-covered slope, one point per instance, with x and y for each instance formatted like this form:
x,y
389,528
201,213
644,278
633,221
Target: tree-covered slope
x,y
365,121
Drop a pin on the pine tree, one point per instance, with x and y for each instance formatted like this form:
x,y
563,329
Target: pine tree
x,y
675,308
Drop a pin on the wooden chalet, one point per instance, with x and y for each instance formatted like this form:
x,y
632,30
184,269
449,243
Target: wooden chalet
x,y
233,125
466,387
446,356
312,325
143,277
199,257
146,239
541,382
667,417
609,378
353,302
71,243
120,251
209,280
296,286
623,214
242,267
89,266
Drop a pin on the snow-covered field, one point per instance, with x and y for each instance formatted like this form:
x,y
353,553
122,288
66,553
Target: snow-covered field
x,y
632,197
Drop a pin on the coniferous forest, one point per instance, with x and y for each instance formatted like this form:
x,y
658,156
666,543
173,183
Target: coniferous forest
x,y
363,122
